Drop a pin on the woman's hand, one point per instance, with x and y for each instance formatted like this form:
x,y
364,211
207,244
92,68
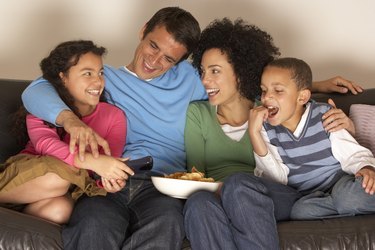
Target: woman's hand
x,y
337,84
335,119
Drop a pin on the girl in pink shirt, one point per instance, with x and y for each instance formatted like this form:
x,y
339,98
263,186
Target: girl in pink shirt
x,y
40,176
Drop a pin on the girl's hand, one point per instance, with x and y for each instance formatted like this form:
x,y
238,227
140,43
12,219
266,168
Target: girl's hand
x,y
368,183
112,185
111,168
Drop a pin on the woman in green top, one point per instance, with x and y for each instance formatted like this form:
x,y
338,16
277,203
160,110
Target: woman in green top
x,y
230,59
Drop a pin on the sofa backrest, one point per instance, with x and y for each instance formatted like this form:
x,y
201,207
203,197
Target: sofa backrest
x,y
343,101
10,101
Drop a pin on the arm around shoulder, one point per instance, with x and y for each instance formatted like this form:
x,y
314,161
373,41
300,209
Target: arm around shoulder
x,y
336,84
41,99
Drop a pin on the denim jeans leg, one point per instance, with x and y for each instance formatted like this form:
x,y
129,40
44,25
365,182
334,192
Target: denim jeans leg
x,y
249,204
350,198
206,224
96,223
317,205
156,220
347,198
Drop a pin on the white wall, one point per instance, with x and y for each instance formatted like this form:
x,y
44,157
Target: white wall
x,y
336,37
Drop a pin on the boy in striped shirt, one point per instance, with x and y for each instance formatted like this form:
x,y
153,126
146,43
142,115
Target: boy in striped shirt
x,y
334,174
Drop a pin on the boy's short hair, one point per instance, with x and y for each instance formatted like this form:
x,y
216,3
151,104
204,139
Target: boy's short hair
x,y
300,71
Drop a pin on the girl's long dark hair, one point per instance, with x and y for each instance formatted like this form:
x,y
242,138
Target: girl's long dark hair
x,y
60,60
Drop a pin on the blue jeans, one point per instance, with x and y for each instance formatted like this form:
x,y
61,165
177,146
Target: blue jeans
x,y
243,218
346,198
137,217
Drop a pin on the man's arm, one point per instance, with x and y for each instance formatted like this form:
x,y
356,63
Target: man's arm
x,y
336,84
41,99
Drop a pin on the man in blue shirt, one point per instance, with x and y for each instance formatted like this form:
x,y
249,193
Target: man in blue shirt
x,y
154,90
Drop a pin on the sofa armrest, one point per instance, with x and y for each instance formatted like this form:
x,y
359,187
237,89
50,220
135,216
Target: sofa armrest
x,y
21,231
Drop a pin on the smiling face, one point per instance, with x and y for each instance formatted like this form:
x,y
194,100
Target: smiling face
x,y
156,53
85,82
280,95
218,78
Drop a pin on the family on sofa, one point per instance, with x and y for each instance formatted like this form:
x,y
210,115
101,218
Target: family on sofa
x,y
229,62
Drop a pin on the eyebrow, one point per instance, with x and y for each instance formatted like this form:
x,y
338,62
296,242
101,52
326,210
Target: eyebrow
x,y
214,65
91,69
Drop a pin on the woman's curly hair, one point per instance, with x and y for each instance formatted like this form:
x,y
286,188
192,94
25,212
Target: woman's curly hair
x,y
60,59
248,48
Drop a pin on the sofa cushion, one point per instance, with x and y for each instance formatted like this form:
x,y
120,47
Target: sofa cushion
x,y
363,117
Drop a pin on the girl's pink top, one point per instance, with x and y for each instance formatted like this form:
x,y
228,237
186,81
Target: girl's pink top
x,y
107,120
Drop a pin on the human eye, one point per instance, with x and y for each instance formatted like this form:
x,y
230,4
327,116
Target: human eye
x,y
153,45
87,73
169,60
279,90
215,71
101,73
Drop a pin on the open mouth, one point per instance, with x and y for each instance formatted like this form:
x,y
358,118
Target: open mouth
x,y
272,111
212,92
93,92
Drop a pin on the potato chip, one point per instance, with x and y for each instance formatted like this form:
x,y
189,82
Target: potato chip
x,y
195,175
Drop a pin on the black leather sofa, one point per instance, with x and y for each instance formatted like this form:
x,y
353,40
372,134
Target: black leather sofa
x,y
20,231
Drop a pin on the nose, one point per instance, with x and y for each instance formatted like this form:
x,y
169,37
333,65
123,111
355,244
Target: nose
x,y
266,95
204,78
99,79
155,58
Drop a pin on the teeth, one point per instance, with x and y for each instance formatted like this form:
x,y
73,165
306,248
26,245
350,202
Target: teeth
x,y
212,91
272,110
93,91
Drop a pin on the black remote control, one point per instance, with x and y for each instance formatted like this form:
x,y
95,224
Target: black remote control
x,y
141,164
137,165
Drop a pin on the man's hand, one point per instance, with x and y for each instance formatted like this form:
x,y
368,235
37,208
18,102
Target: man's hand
x,y
368,183
337,84
81,135
335,119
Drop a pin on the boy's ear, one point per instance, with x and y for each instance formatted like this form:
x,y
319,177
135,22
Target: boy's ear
x,y
304,96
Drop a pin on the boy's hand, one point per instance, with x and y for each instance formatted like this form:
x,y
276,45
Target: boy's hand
x,y
257,116
368,183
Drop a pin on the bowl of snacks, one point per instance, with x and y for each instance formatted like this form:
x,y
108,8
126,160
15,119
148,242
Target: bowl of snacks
x,y
182,184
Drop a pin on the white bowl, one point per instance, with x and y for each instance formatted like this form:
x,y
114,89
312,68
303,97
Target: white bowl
x,y
182,189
